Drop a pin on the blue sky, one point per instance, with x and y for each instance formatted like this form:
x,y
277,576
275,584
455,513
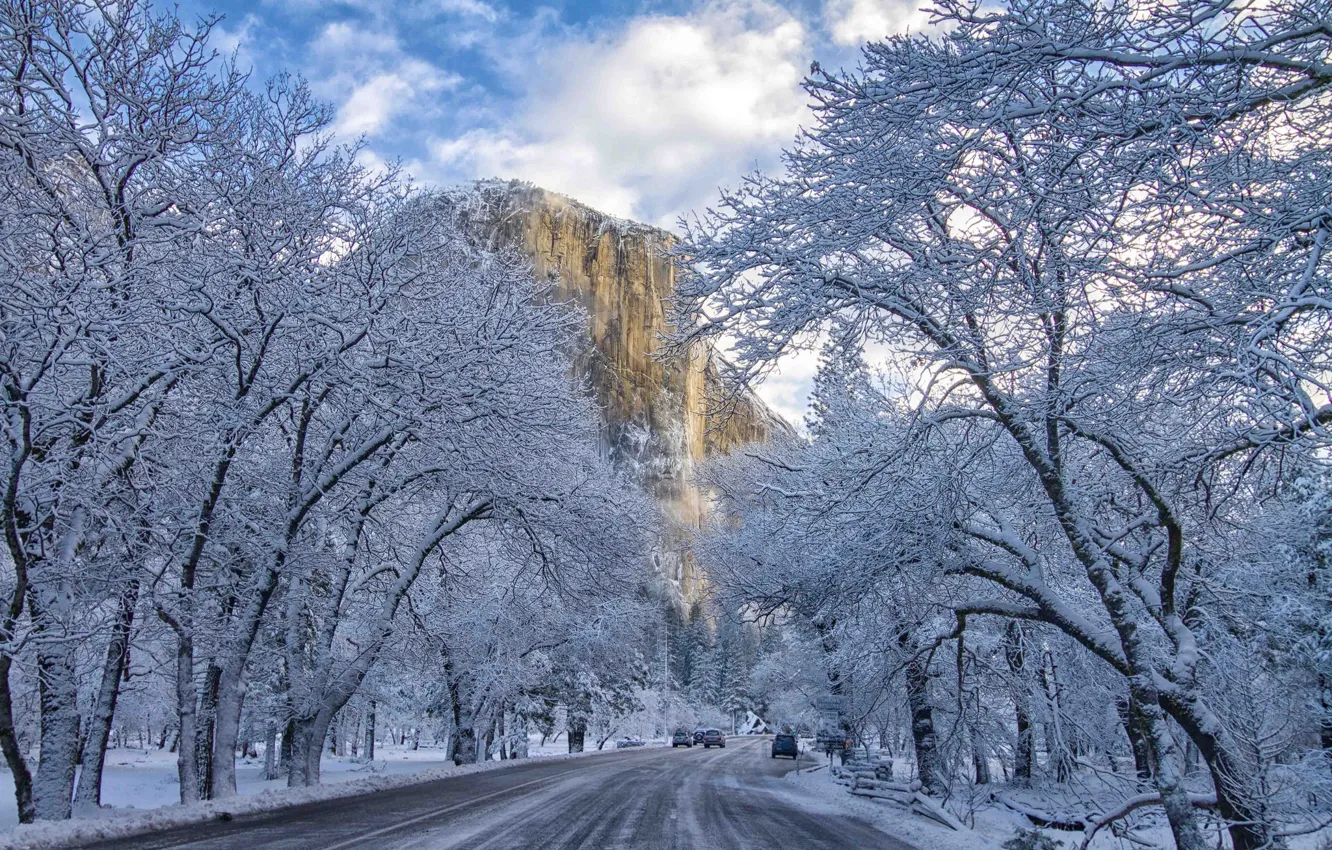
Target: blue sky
x,y
639,109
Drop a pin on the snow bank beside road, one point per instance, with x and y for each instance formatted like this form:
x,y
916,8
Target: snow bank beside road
x,y
993,826
813,791
126,823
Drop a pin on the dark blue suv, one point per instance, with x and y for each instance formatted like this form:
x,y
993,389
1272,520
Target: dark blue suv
x,y
785,745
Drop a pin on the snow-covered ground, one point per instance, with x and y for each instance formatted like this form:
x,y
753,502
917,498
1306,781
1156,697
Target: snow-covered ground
x,y
815,790
991,825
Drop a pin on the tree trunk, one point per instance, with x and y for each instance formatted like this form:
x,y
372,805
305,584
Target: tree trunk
x,y
1325,722
1235,803
520,741
53,785
9,743
1128,717
1015,652
1061,758
307,749
187,763
301,738
462,742
980,758
270,745
1165,767
928,759
207,734
370,732
577,733
58,700
230,698
88,795
286,752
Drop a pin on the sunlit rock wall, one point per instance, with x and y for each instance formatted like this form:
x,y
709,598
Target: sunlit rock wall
x,y
660,416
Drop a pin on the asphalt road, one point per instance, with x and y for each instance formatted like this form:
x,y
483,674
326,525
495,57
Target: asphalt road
x,y
650,799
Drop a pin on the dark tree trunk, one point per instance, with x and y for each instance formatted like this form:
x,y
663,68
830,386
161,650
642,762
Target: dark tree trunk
x,y
287,751
1142,760
203,747
1325,722
463,742
1024,755
18,766
577,734
88,795
370,732
928,759
307,747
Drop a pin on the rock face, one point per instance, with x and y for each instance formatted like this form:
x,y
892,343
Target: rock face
x,y
660,415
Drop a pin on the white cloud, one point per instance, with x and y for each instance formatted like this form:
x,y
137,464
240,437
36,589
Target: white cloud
x,y
375,102
372,103
341,41
236,39
854,22
464,8
567,165
647,121
371,79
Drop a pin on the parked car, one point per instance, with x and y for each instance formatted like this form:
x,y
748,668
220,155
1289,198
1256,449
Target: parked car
x,y
682,739
629,742
698,735
713,738
785,745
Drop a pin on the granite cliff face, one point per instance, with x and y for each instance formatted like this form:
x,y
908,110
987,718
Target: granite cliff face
x,y
660,415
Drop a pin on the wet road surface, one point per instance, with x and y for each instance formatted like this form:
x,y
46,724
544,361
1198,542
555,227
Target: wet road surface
x,y
651,799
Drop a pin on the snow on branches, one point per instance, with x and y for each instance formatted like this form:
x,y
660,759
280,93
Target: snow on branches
x,y
252,392
1089,241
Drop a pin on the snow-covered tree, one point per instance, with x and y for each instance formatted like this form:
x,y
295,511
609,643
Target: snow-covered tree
x,y
1090,239
253,391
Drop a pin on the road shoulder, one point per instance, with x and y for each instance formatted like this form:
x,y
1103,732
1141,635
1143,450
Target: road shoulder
x,y
815,792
